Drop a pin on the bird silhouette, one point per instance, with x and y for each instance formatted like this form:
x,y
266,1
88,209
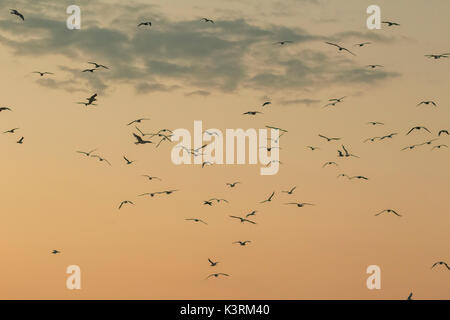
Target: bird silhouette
x,y
242,243
89,70
213,263
17,13
329,139
340,48
97,65
442,263
87,154
410,296
243,219
282,43
374,123
5,109
207,20
137,121
440,146
443,132
124,203
128,162
216,275
362,44
146,23
140,140
427,102
233,184
390,23
329,163
196,220
55,251
266,103
312,148
252,113
11,130
418,128
388,211
300,204
291,191
101,159
151,177
251,214
42,73
20,141
437,56
269,199
373,66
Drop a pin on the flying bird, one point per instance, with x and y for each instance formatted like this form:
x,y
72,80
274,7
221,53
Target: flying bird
x,y
437,56
388,211
88,154
92,98
329,163
269,199
362,44
216,275
390,23
233,184
147,23
329,139
340,48
418,128
97,65
100,158
313,148
374,123
89,70
212,263
300,204
243,219
281,43
443,132
17,13
251,214
5,109
252,113
55,252
266,103
291,191
125,202
128,161
440,263
150,177
427,102
242,243
140,140
410,296
12,130
196,220
440,146
137,121
42,73
207,20
20,140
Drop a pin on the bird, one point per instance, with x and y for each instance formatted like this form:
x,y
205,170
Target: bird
x,y
359,178
362,44
252,113
266,103
281,43
390,23
374,123
97,65
344,175
42,73
20,140
443,132
55,252
100,158
212,263
218,200
92,98
207,20
147,23
410,147
88,154
418,128
242,243
329,139
216,275
427,102
300,204
313,148
440,146
137,121
151,194
243,219
427,142
373,66
269,148
440,263
128,161
151,177
11,131
125,202
347,154
207,202
196,220
337,99
389,136
372,139
233,184
437,56
87,103
89,70
340,48
269,199
140,140
410,296
251,214
169,191
291,191
206,163
5,109
329,163
388,211
17,13
330,104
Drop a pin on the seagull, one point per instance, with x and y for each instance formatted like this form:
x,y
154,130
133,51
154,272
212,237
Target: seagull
x,y
92,98
251,214
148,23
128,161
20,140
252,113
329,163
269,199
374,123
55,252
443,132
140,140
243,219
373,66
97,65
428,102
242,243
340,48
344,175
291,191
428,142
347,154
212,263
266,103
216,275
168,191
12,130
389,136
441,263
42,73
151,194
390,24
337,99
410,296
281,43
372,139
150,177
89,70
100,158
437,56
300,204
196,220
87,103
207,20
440,146
88,154
418,128
359,178
5,109
329,139
330,104
233,184
125,202
388,211
137,121
410,147
313,148
362,44
17,13
218,200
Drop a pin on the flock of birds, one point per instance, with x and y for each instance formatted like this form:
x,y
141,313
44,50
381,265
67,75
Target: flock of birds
x,y
164,135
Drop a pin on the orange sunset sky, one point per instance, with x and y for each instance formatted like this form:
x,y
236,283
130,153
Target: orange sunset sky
x,y
182,69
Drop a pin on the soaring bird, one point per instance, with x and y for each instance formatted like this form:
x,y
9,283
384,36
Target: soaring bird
x,y
216,275
151,194
20,140
427,102
5,109
372,139
12,130
17,13
340,48
410,147
128,161
281,43
329,139
169,191
373,66
389,136
266,103
291,191
242,243
313,148
87,103
42,73
388,211
233,184
374,123
207,20
359,178
362,44
147,23
251,214
97,65
137,121
390,23
329,163
252,113
100,158
243,219
300,204
89,70
92,98
437,56
196,220
440,146
410,296
440,263
55,252
151,177
125,202
347,154
88,154
418,128
140,140
443,132
269,199
338,99
213,263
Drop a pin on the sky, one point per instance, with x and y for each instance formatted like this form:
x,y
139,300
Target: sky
x,y
182,69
